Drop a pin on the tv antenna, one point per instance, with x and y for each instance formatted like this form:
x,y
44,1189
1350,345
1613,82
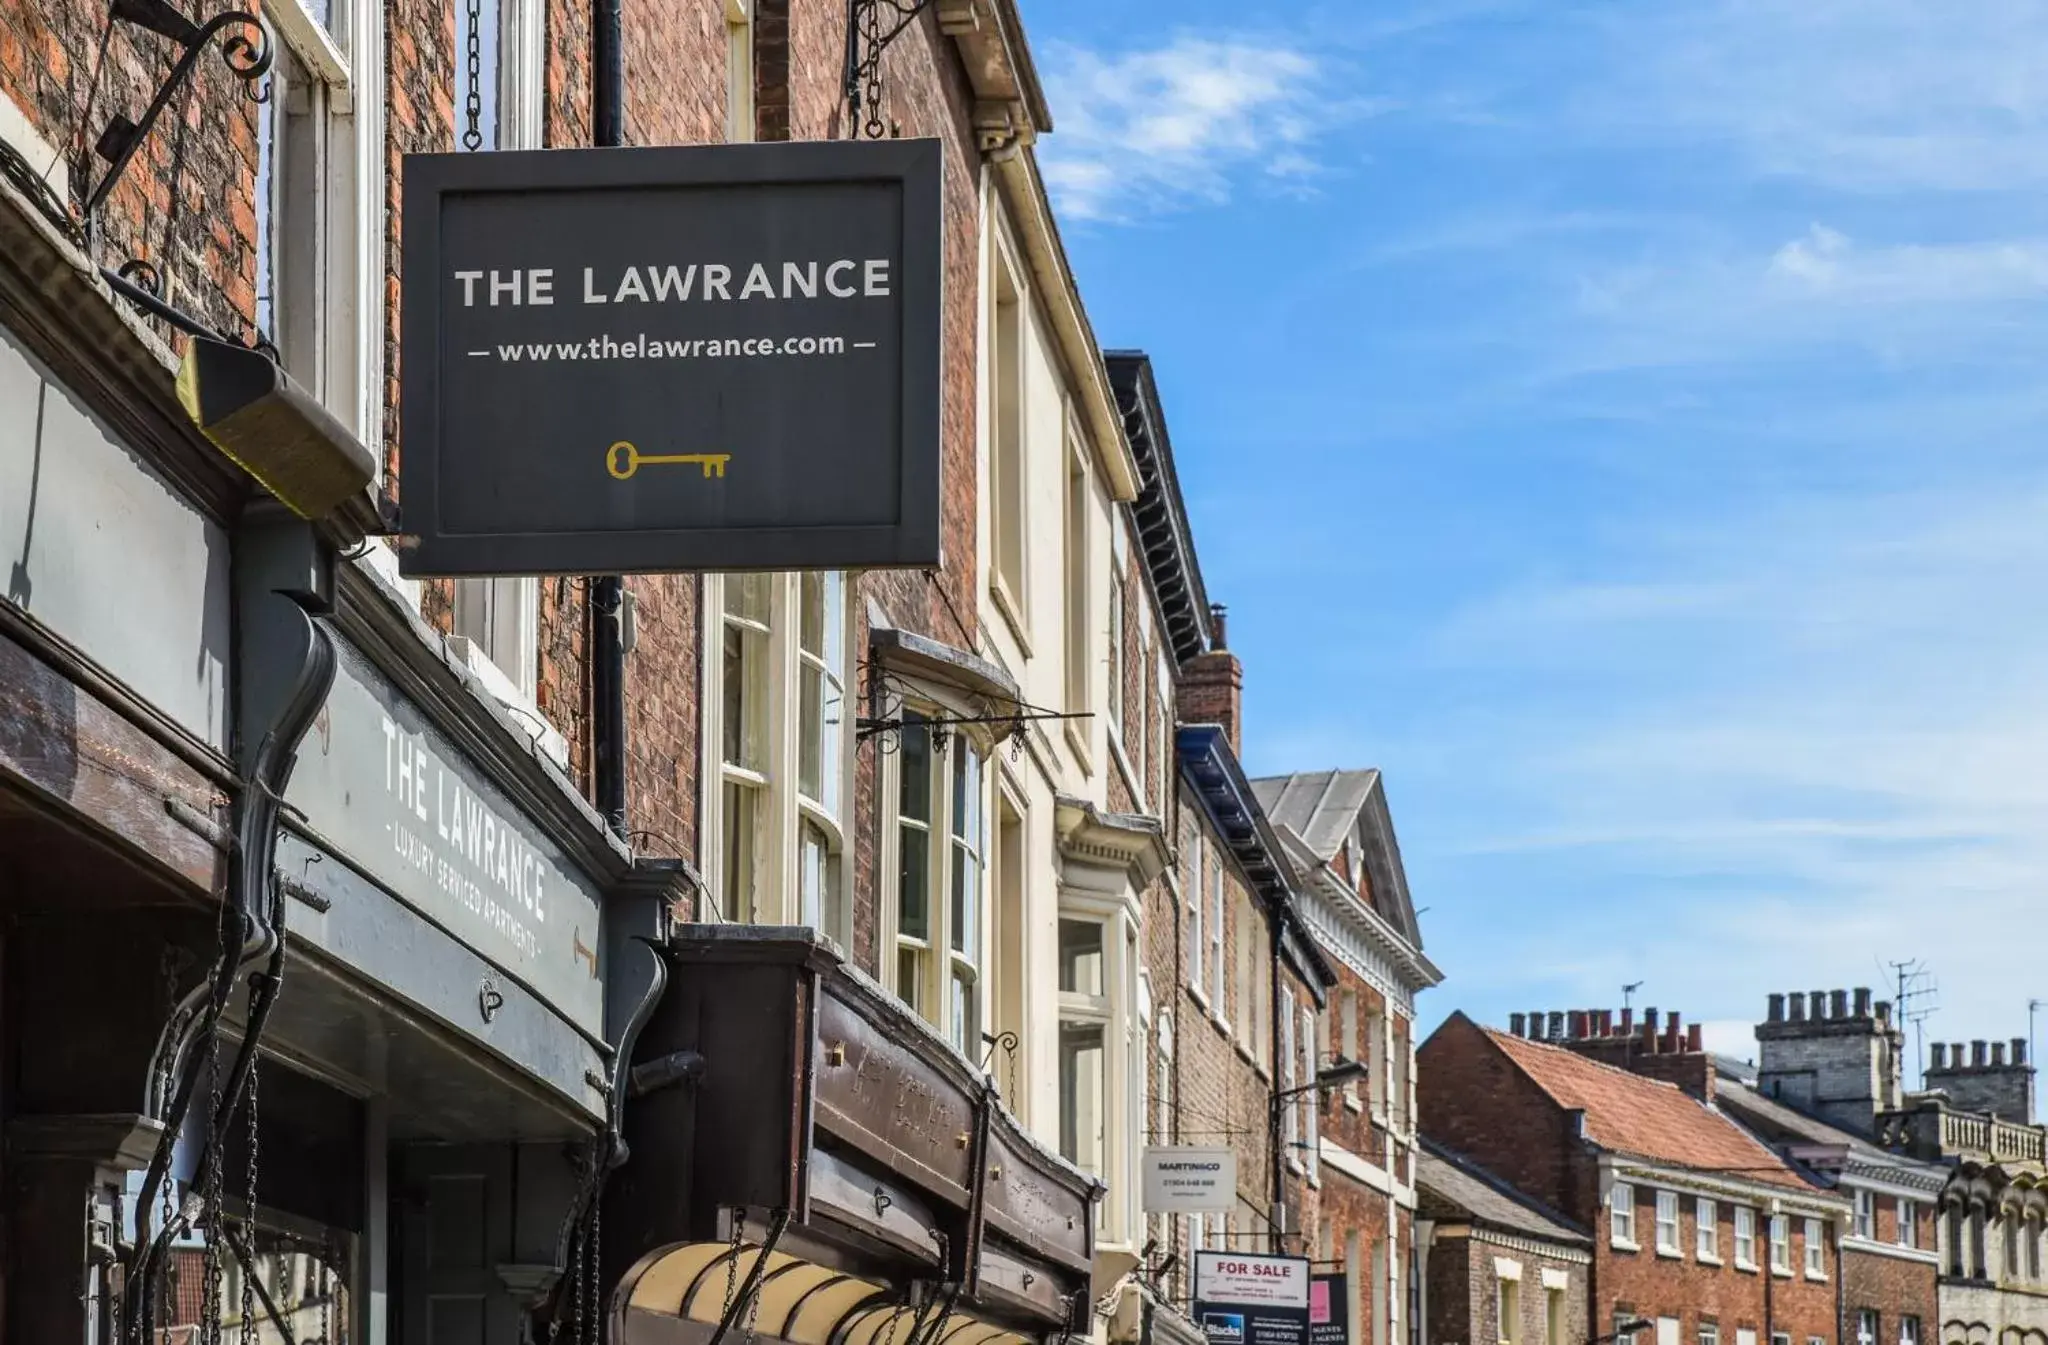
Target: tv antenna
x,y
1916,1000
1628,994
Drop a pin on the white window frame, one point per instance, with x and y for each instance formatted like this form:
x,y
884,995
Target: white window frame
x,y
1907,1212
1290,1120
1621,1217
1219,945
1348,1034
781,809
1709,1333
1508,1309
1909,1329
1706,1217
1814,1235
1868,1325
1008,494
932,999
1669,1230
496,620
1744,1222
1114,637
1077,559
1194,895
1866,1214
739,71
1311,1101
1779,1233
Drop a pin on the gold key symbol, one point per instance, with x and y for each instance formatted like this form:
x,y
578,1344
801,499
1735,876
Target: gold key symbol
x,y
623,459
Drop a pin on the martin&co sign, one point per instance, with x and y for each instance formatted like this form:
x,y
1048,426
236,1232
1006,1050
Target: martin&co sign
x,y
696,358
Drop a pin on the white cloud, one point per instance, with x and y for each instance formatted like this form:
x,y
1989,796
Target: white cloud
x,y
1149,130
1863,95
1810,735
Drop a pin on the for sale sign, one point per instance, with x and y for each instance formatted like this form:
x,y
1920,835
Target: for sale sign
x,y
1244,1299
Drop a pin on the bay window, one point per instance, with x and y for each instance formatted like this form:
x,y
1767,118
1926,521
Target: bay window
x,y
937,920
775,716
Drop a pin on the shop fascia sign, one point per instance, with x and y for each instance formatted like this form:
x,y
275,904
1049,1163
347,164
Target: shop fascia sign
x,y
622,361
1190,1179
381,787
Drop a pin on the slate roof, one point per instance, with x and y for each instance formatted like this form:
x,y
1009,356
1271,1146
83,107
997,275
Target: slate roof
x,y
1774,1121
1450,1187
1319,806
1645,1118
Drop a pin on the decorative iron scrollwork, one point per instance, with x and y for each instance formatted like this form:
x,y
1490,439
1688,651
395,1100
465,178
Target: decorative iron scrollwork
x,y
871,25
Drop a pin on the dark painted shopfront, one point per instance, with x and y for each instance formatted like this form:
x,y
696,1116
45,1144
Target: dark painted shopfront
x,y
811,1163
216,733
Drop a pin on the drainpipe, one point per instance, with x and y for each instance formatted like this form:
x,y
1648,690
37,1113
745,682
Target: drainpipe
x,y
1279,1178
608,592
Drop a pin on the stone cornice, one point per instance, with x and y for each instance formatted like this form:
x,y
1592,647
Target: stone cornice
x,y
1135,844
1364,942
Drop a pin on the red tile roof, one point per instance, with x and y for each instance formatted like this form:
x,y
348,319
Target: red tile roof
x,y
1644,1118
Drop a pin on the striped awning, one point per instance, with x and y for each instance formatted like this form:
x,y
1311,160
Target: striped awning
x,y
679,1297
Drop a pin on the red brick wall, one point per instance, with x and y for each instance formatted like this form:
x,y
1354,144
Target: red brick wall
x,y
47,67
1653,1286
1474,1102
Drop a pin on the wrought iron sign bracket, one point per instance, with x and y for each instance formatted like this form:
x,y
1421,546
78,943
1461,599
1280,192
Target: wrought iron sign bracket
x,y
871,25
886,714
246,50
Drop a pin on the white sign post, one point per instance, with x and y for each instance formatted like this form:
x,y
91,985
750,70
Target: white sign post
x,y
1189,1180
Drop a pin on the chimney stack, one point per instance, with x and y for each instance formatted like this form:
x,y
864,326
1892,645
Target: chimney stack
x,y
1212,685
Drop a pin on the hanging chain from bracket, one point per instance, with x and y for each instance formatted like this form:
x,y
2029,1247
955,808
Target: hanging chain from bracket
x,y
871,25
473,105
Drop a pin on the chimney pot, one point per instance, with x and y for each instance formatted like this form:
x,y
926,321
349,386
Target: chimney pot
x,y
1607,1022
1672,1032
1998,1055
1575,1025
2019,1051
1557,1024
1518,1024
1838,1005
1628,1022
1940,1060
1218,626
1956,1055
1777,1010
1695,1039
1817,1005
1798,1003
1884,1013
1977,1052
1650,1020
1863,1002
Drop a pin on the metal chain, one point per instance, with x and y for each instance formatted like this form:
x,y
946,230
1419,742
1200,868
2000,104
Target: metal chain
x,y
732,1260
473,108
249,1219
590,1328
871,71
209,1312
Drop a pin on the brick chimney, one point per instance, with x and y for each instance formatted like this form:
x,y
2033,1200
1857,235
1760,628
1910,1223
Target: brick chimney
x,y
1212,686
1661,1047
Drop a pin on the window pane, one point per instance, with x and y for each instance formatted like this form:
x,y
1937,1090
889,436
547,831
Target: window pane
x,y
915,768
913,907
1081,958
910,977
740,865
810,744
745,699
1081,1095
818,880
967,795
966,883
749,596
963,1016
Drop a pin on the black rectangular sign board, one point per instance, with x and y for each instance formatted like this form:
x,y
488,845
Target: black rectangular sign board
x,y
1329,1310
627,361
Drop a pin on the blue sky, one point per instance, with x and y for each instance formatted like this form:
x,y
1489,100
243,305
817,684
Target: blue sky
x,y
1623,424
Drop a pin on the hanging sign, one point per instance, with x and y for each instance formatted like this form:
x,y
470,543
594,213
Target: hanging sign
x,y
720,357
1242,1299
1329,1310
1186,1179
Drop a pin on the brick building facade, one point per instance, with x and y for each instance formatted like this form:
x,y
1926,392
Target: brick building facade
x,y
1497,1269
1700,1232
1359,1173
